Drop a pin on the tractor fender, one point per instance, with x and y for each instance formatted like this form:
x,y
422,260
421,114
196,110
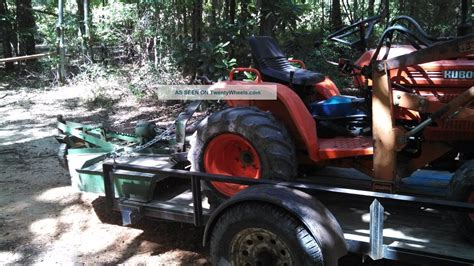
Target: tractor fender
x,y
291,111
327,88
317,219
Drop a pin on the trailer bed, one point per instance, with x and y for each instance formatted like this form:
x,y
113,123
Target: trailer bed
x,y
424,235
420,235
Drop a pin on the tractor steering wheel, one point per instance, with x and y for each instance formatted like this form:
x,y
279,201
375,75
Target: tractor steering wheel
x,y
364,27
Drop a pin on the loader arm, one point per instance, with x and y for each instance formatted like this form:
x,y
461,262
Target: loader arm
x,y
386,135
460,47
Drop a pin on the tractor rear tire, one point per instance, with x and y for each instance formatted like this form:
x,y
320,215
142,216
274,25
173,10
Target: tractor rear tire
x,y
461,188
241,141
261,234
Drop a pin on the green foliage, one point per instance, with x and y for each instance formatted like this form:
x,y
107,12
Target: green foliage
x,y
134,26
114,22
210,59
214,60
288,13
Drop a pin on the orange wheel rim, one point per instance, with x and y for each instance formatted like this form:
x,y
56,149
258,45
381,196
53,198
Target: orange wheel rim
x,y
233,155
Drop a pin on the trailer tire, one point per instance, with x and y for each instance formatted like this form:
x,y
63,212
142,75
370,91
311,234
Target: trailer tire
x,y
461,188
250,233
268,143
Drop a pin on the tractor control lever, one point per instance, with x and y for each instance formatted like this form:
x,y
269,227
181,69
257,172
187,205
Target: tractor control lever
x,y
346,66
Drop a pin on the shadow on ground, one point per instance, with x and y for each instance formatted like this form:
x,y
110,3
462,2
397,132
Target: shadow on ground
x,y
42,220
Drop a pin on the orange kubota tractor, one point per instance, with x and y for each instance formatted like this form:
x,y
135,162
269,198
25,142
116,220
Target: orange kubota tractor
x,y
415,112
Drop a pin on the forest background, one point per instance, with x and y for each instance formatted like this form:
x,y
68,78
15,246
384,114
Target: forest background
x,y
173,41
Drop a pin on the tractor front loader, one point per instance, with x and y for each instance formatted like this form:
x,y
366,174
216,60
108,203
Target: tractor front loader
x,y
390,138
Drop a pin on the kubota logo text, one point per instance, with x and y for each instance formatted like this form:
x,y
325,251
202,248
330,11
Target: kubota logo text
x,y
458,74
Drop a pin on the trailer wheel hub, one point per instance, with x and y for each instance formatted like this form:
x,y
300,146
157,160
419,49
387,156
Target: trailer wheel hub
x,y
257,246
231,154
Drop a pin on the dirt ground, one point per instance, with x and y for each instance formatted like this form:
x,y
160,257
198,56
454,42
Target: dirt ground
x,y
42,220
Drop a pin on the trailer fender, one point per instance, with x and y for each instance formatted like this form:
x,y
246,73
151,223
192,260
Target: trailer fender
x,y
317,219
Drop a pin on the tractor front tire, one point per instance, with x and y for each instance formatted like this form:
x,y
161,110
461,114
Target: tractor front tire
x,y
244,142
261,234
461,188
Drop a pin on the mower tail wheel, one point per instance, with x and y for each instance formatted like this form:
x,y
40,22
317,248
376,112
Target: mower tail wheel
x,y
461,188
244,142
261,234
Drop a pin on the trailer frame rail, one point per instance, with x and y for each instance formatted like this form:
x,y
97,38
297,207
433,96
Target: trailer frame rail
x,y
374,249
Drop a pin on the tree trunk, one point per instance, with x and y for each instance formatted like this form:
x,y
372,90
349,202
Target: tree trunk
x,y
196,29
401,6
26,27
226,9
244,14
336,19
267,19
80,16
370,8
348,11
243,18
465,27
232,11
87,31
7,33
197,22
411,8
244,10
81,26
356,10
157,43
442,15
185,20
384,11
60,44
322,15
214,13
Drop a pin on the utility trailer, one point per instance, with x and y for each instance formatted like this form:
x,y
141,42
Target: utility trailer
x,y
373,224
396,212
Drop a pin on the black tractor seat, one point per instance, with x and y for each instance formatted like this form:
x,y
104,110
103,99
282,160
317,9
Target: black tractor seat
x,y
274,66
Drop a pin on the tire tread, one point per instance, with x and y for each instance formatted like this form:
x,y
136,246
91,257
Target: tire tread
x,y
269,137
308,244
